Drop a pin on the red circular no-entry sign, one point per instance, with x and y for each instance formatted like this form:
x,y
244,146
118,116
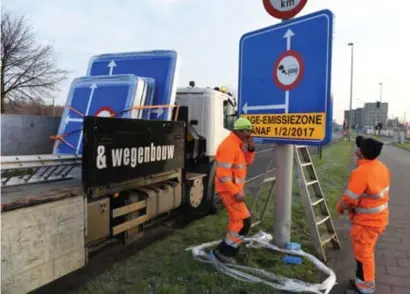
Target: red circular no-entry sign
x,y
105,111
288,70
284,9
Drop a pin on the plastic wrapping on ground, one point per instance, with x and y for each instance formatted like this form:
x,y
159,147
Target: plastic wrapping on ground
x,y
253,275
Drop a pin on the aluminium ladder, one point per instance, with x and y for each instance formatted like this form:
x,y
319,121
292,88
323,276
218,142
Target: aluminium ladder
x,y
316,209
268,180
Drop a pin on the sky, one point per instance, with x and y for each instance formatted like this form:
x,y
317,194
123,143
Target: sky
x,y
206,36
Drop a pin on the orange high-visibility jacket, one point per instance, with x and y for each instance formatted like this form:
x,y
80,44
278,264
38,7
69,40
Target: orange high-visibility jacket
x,y
232,158
367,194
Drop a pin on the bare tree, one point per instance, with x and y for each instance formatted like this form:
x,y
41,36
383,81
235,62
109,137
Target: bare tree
x,y
28,68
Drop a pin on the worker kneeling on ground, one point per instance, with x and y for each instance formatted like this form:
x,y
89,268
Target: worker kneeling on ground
x,y
232,156
366,199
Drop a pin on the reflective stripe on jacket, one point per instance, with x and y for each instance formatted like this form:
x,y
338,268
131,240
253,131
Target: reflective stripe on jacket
x,y
367,193
232,159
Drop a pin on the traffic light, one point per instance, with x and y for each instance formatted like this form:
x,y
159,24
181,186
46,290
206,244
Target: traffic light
x,y
378,126
378,104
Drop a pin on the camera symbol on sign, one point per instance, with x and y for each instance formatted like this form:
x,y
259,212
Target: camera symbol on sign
x,y
292,70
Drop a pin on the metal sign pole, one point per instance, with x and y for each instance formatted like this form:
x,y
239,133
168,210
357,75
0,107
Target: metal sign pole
x,y
283,194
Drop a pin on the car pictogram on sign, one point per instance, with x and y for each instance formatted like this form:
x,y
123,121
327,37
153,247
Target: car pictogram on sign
x,y
288,70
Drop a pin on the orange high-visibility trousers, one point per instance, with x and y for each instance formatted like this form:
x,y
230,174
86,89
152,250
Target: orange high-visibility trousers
x,y
237,211
364,241
239,223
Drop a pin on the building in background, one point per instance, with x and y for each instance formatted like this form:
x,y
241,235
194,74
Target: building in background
x,y
369,116
347,118
373,115
359,118
393,123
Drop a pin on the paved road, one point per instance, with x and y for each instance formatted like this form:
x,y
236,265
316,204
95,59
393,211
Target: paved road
x,y
393,249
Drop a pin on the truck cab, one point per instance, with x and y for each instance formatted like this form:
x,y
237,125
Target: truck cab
x,y
211,115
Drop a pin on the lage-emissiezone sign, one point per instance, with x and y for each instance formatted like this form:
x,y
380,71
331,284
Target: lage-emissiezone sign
x,y
290,126
284,85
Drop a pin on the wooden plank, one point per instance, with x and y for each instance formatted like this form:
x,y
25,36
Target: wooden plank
x,y
16,197
128,225
42,242
129,208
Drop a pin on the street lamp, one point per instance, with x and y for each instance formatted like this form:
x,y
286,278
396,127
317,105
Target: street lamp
x,y
380,106
351,90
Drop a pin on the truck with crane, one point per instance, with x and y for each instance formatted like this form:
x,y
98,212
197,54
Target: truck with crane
x,y
132,174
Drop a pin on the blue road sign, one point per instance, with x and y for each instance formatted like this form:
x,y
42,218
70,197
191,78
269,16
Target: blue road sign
x,y
97,96
149,97
160,65
285,80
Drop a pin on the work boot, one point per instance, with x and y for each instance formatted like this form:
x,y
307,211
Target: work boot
x,y
223,258
353,289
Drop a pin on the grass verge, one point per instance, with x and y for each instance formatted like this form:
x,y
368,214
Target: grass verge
x,y
405,146
165,266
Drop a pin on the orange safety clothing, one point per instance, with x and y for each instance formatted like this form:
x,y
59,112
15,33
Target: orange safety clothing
x,y
364,241
366,199
237,212
232,158
367,194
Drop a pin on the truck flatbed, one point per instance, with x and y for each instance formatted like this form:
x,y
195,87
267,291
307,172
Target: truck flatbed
x,y
43,233
15,197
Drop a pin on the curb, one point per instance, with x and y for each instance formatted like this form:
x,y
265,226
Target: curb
x,y
395,145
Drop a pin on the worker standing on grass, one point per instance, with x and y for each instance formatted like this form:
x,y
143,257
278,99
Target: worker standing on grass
x,y
366,199
233,155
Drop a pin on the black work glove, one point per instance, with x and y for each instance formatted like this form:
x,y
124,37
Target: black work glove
x,y
251,144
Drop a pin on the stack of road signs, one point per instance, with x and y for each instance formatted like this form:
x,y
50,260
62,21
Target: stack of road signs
x,y
149,97
98,96
161,65
116,84
284,80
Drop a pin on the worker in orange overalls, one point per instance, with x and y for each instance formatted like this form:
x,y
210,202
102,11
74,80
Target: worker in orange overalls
x,y
366,200
233,155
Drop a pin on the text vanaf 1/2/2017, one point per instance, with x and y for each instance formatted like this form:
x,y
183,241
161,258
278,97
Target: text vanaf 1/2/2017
x,y
295,125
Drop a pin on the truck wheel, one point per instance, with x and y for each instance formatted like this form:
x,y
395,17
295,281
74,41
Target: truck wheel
x,y
207,202
196,194
214,201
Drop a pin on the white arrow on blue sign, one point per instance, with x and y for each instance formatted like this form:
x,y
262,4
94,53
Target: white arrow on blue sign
x,y
96,96
285,80
160,65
